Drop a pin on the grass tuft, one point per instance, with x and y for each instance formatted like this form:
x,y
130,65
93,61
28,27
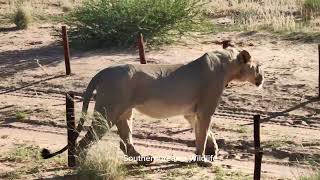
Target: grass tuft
x,y
66,5
242,129
221,174
22,17
315,176
102,164
21,115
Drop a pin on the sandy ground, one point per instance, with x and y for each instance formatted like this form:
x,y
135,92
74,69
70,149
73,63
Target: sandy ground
x,y
32,80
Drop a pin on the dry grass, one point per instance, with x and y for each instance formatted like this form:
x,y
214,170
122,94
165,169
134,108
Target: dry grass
x,y
102,163
281,15
22,17
66,5
40,9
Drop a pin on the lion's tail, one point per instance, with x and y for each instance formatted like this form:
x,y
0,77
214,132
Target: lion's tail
x,y
45,153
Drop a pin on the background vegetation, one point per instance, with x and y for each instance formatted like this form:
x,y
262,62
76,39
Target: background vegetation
x,y
22,17
101,23
275,16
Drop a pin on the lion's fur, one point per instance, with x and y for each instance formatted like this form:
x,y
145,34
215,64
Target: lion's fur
x,y
192,90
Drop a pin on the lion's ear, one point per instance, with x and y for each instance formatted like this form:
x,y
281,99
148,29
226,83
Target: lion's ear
x,y
244,56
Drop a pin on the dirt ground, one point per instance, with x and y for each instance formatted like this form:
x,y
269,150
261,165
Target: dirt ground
x,y
32,83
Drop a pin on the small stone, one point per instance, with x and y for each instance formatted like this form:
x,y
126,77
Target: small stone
x,y
233,156
286,124
250,44
35,42
300,122
290,121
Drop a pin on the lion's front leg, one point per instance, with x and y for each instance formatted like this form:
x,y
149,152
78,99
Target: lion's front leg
x,y
201,131
212,146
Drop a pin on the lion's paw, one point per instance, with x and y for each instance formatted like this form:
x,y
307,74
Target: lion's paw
x,y
145,160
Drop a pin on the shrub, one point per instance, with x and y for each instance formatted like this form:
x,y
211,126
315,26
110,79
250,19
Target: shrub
x,y
22,17
311,8
105,23
312,4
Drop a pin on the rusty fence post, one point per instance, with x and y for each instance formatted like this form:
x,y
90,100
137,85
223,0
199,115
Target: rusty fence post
x,y
258,149
141,49
66,50
71,125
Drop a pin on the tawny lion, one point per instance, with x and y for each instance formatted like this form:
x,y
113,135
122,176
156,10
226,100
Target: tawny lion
x,y
161,91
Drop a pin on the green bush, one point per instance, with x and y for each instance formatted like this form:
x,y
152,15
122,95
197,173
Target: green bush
x,y
103,23
311,8
312,4
22,17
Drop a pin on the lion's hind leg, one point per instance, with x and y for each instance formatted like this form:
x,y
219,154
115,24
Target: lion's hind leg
x,y
99,126
124,125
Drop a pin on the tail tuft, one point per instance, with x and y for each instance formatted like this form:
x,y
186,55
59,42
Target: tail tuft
x,y
45,153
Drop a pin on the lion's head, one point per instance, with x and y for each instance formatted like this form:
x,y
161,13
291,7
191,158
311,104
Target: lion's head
x,y
248,69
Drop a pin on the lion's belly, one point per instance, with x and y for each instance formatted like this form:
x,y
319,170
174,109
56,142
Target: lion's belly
x,y
160,109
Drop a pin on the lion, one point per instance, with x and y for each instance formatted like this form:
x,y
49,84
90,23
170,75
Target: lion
x,y
192,90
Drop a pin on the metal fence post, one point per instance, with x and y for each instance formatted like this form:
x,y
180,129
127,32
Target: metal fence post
x,y
66,50
141,49
258,150
71,125
319,71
